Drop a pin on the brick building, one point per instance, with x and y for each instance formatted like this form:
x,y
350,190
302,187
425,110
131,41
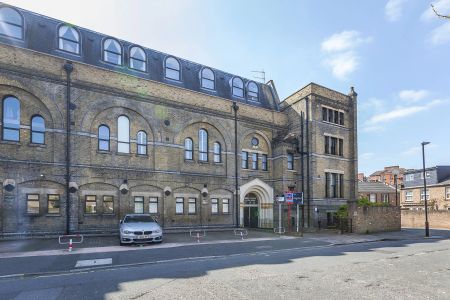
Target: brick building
x,y
378,192
438,189
94,127
387,175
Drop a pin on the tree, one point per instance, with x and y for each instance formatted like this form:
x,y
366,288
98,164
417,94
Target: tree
x,y
439,15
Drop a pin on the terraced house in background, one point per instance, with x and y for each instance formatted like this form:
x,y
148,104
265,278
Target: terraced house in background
x,y
93,127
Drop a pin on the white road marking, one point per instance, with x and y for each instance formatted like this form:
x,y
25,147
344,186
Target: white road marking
x,y
122,248
93,262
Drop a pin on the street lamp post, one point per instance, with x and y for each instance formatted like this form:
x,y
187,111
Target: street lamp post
x,y
427,228
396,190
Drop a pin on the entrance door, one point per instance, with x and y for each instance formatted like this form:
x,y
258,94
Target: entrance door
x,y
251,211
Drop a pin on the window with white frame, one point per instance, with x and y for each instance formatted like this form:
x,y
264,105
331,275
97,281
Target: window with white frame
x,y
11,119
112,51
33,204
138,204
217,152
385,198
141,139
108,204
244,162
254,161
264,162
373,198
447,192
408,196
214,206
202,145
409,177
225,206
290,161
37,130
90,204
422,194
188,149
192,206
138,59
53,205
252,91
123,134
69,39
237,87
179,206
172,68
207,79
103,138
153,205
11,23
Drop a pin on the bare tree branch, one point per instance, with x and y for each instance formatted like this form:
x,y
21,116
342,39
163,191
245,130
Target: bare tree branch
x,y
439,15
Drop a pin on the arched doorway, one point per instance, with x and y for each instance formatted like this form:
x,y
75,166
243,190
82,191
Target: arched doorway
x,y
258,195
251,211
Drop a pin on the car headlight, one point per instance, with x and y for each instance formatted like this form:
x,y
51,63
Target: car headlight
x,y
126,231
157,231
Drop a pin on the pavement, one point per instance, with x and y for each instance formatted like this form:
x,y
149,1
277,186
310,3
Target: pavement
x,y
323,265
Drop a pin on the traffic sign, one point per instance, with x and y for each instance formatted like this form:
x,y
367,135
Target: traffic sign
x,y
289,198
298,198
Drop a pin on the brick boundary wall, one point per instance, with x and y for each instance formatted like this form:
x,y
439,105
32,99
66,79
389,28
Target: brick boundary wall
x,y
438,219
367,219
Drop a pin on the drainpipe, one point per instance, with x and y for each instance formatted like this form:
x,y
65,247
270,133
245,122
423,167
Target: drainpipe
x,y
308,193
237,200
68,67
302,155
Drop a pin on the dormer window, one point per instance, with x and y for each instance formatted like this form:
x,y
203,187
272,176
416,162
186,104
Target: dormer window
x,y
207,79
237,87
252,91
172,67
11,23
138,59
112,51
68,39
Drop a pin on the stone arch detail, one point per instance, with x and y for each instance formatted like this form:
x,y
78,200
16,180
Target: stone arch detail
x,y
264,192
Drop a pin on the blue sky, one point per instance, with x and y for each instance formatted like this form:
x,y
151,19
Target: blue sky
x,y
396,53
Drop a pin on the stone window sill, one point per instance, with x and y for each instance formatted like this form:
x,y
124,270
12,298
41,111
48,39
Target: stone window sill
x,y
103,152
53,215
10,143
37,145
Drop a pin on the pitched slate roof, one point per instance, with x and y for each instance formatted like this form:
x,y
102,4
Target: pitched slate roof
x,y
374,187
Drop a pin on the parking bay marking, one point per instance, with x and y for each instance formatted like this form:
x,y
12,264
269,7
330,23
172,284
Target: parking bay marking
x,y
93,262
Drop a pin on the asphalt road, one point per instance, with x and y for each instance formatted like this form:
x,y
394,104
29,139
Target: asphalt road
x,y
408,269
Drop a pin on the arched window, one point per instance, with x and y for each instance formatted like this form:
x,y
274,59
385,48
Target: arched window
x,y
103,138
37,130
188,149
11,23
172,67
138,59
207,79
141,143
202,145
123,134
112,51
290,161
217,152
69,39
252,91
237,87
11,119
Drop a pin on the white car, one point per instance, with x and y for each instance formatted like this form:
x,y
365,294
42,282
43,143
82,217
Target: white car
x,y
140,228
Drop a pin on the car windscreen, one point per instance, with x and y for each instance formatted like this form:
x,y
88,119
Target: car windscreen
x,y
138,219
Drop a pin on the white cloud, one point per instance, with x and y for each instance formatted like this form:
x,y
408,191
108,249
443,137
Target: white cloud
x,y
344,41
413,95
402,112
367,155
372,104
417,149
343,64
373,129
394,9
441,34
341,56
441,6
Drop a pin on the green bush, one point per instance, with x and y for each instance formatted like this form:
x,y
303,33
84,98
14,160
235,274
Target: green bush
x,y
364,201
342,212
